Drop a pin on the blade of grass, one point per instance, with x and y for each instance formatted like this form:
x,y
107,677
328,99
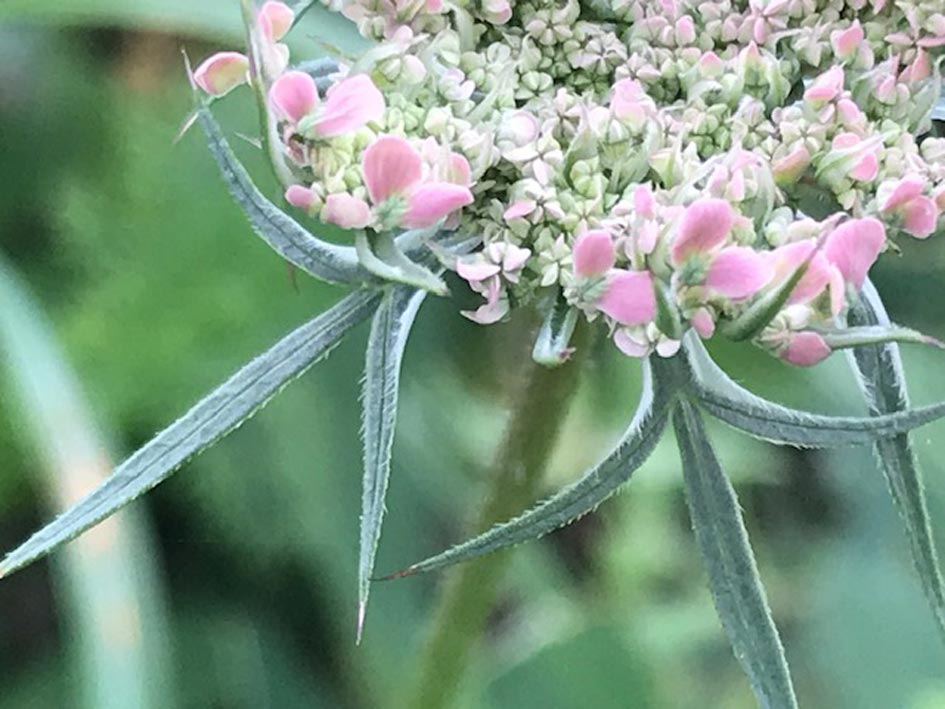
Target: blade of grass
x,y
108,583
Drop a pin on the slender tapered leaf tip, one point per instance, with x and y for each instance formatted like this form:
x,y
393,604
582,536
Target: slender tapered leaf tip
x,y
362,611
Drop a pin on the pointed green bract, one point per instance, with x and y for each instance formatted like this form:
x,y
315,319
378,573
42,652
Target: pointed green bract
x,y
727,400
880,373
321,259
382,256
553,344
579,498
733,576
876,335
389,331
216,415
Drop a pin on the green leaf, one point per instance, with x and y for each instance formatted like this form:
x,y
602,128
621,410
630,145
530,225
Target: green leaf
x,y
216,415
730,564
580,497
881,377
876,335
385,350
321,259
726,400
782,425
553,344
381,255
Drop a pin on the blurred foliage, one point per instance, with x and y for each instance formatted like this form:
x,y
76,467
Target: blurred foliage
x,y
158,291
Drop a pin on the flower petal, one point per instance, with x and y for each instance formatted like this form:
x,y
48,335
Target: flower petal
x,y
431,202
920,217
805,349
222,72
519,209
854,246
346,211
629,346
826,86
788,258
478,270
738,272
593,254
294,95
276,20
629,298
390,166
300,197
350,104
904,191
705,224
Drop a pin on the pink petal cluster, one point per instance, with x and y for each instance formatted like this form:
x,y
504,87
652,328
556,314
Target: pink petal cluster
x,y
662,169
905,199
400,196
349,105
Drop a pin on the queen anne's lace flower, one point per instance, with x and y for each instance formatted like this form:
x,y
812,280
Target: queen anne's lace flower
x,y
665,166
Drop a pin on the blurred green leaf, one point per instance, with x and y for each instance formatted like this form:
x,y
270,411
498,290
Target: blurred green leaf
x,y
109,582
216,415
214,19
385,350
730,563
884,386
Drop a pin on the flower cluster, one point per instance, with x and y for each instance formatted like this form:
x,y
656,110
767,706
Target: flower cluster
x,y
664,165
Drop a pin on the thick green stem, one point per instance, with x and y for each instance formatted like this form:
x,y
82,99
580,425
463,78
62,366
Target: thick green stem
x,y
469,591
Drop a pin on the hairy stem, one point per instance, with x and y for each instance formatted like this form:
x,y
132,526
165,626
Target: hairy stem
x,y
469,591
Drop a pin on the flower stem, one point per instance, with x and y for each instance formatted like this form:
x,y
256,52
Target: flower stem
x,y
469,592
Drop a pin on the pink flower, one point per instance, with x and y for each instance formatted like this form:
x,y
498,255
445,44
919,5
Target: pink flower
x,y
629,102
905,198
300,197
275,19
846,42
222,72
593,254
854,246
865,164
805,349
825,87
703,323
735,272
519,209
705,225
346,211
628,297
792,166
393,175
349,104
820,274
